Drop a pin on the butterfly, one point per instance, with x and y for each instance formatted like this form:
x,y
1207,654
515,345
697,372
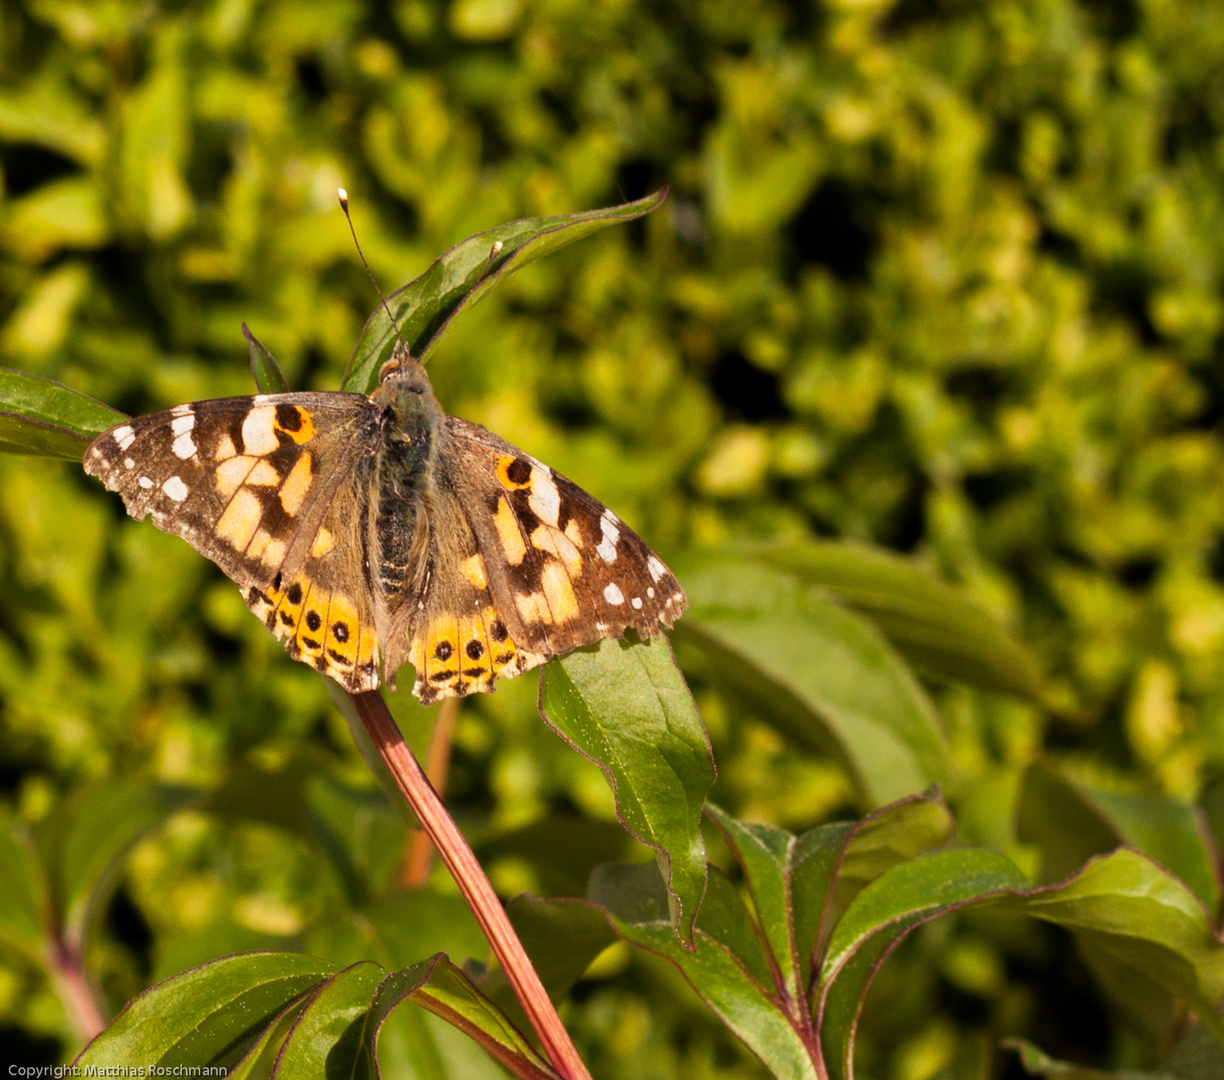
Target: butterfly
x,y
367,531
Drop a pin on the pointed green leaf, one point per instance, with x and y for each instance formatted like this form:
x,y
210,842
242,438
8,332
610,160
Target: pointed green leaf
x,y
637,904
211,1015
437,985
562,937
457,279
38,416
821,674
1136,912
799,884
881,914
930,623
83,844
1072,821
627,708
331,1035
264,368
259,1061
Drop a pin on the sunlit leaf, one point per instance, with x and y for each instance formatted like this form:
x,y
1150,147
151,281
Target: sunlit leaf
x,y
424,308
38,416
929,622
627,707
820,673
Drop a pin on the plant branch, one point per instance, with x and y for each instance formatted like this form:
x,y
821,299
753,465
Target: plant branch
x,y
472,882
75,990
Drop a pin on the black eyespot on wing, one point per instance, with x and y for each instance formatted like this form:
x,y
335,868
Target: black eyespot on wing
x,y
295,593
444,650
314,620
286,618
519,471
276,582
498,630
474,649
289,417
340,632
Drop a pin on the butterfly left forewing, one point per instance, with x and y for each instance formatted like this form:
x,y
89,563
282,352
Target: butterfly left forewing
x,y
266,487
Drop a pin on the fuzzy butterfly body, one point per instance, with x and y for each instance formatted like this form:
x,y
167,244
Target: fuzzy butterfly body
x,y
370,531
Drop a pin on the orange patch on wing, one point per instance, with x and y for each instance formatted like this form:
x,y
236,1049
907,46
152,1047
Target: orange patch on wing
x,y
241,519
297,483
559,592
508,532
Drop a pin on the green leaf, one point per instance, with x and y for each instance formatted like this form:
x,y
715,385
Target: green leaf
x,y
83,844
264,368
332,1035
819,673
38,416
1197,1057
637,904
400,929
561,851
437,985
799,884
211,1015
627,708
1072,822
562,937
259,1061
24,917
930,623
424,308
1137,913
881,914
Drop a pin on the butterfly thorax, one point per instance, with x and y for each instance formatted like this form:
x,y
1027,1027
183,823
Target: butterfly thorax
x,y
413,428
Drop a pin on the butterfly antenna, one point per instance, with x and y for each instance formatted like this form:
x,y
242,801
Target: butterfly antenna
x,y
370,273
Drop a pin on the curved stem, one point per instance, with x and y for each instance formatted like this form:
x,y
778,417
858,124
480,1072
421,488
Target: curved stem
x,y
472,882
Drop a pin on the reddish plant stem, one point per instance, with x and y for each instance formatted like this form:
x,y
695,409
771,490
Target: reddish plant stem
x,y
414,873
470,878
75,990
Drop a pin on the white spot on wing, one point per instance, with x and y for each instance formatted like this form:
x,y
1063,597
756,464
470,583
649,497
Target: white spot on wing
x,y
258,436
175,489
145,482
545,499
124,436
180,410
182,423
183,447
637,603
607,546
657,569
650,594
129,463
613,595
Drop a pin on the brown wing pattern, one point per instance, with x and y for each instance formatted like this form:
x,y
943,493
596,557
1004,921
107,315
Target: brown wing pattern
x,y
263,487
563,570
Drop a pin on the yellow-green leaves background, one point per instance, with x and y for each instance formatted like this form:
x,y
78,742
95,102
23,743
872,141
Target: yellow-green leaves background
x,y
936,274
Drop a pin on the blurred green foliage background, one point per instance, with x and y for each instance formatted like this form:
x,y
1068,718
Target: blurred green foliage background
x,y
940,275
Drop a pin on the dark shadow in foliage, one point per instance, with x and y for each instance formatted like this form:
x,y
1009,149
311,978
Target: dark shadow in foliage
x,y
836,228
